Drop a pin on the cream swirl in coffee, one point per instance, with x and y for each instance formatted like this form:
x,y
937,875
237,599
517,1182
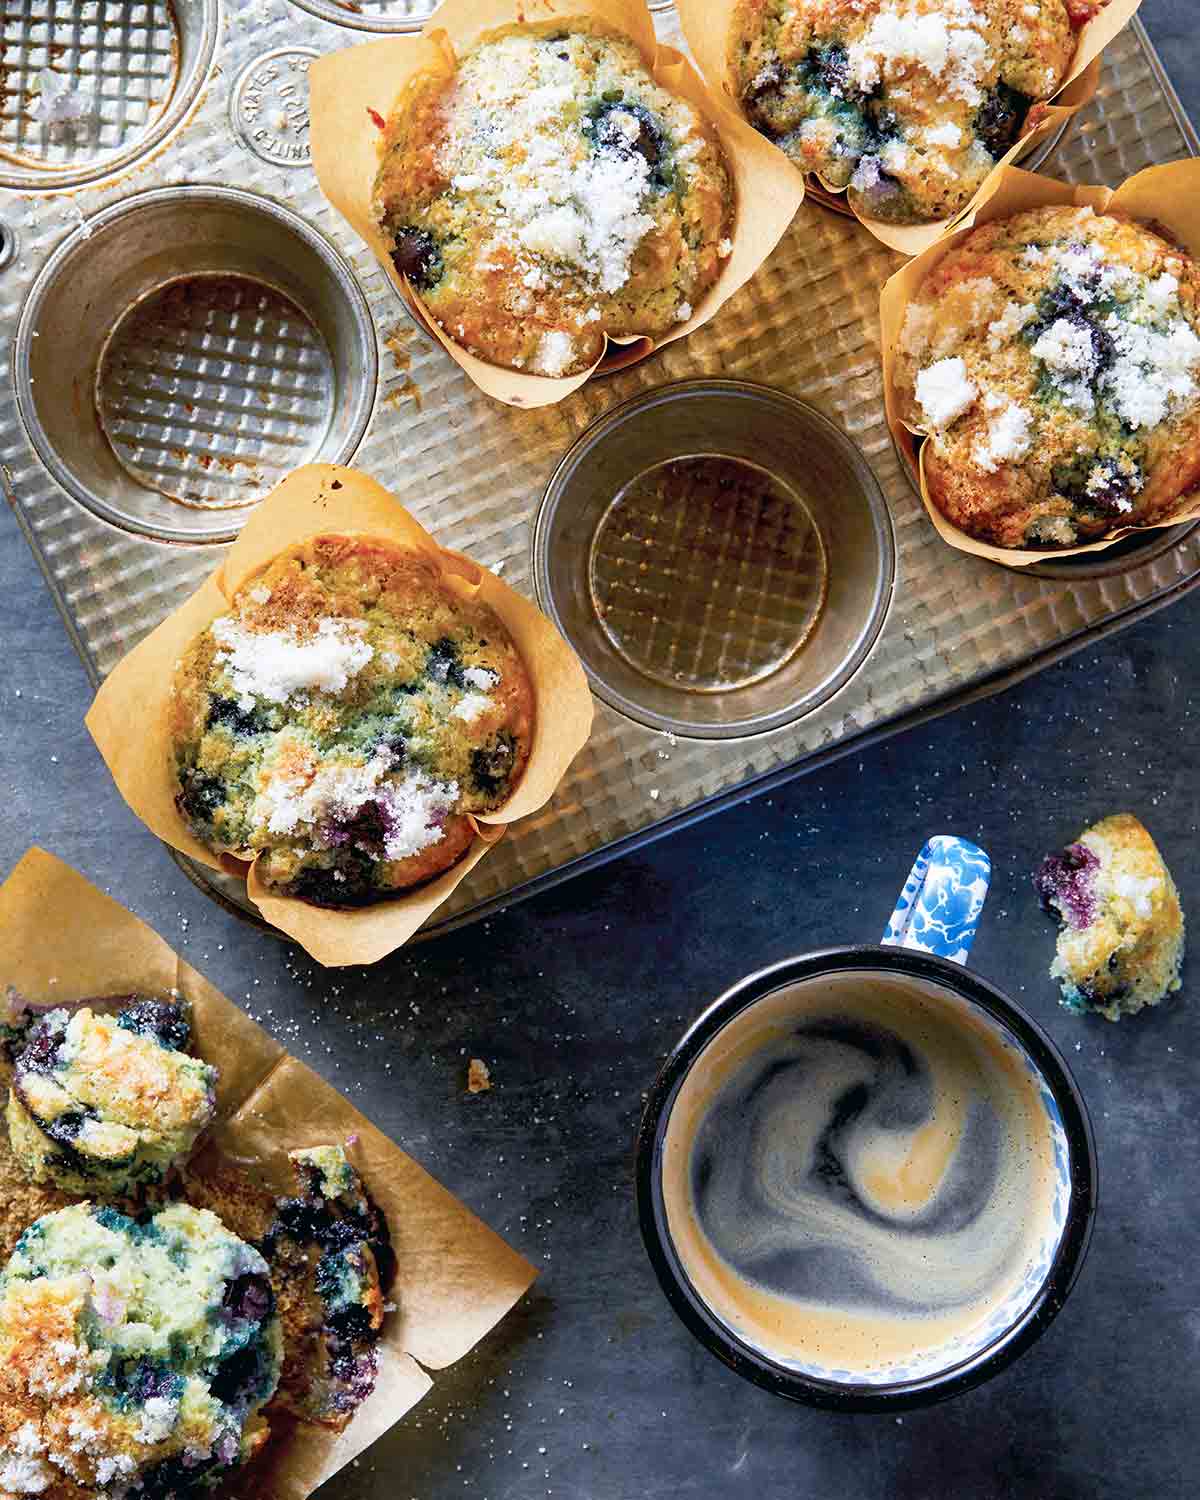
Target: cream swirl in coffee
x,y
858,1171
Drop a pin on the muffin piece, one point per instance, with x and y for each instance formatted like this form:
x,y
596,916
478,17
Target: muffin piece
x,y
907,103
330,1248
108,1103
135,1355
550,192
1053,359
1121,944
344,720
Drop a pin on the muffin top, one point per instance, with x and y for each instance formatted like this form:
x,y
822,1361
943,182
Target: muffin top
x,y
1053,359
549,192
907,103
343,720
134,1354
108,1102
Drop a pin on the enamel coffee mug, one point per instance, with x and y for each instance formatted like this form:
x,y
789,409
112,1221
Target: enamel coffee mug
x,y
866,1179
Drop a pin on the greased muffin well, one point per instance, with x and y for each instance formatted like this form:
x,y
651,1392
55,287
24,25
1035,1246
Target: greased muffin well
x,y
1053,359
345,718
135,1355
550,192
1122,939
108,1103
906,103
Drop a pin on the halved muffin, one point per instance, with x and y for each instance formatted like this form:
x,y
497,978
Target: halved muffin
x,y
135,1354
1122,938
108,1103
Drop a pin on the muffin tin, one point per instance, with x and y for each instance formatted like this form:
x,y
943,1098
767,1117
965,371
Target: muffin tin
x,y
186,359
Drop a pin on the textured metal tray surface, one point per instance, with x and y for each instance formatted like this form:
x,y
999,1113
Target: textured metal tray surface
x,y
474,471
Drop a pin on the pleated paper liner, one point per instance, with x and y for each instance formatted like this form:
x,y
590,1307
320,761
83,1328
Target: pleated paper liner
x,y
347,88
129,718
1167,197
63,942
706,25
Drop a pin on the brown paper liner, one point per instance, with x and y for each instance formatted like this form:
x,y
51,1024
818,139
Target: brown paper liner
x,y
64,941
1168,195
344,87
129,718
706,24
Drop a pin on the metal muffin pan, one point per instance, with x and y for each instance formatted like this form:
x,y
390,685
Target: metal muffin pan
x,y
474,472
719,555
89,86
183,351
391,15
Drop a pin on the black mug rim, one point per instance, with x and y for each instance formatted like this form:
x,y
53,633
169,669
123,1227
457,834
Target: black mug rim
x,y
848,1396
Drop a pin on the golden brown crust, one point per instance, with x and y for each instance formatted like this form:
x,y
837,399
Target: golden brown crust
x,y
1052,360
506,192
859,93
360,783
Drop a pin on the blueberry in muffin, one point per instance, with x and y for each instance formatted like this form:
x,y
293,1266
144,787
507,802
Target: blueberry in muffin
x,y
548,193
908,104
343,721
108,1103
1122,939
135,1354
1053,360
330,1248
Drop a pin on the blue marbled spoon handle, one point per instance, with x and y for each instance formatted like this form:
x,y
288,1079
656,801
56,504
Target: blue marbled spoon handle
x,y
938,910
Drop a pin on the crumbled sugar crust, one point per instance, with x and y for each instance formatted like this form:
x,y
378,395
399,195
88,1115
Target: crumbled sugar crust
x,y
944,391
277,665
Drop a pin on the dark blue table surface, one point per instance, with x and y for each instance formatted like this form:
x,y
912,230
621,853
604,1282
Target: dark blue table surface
x,y
591,1389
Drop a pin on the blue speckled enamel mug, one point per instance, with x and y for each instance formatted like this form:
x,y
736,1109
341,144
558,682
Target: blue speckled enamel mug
x,y
866,1179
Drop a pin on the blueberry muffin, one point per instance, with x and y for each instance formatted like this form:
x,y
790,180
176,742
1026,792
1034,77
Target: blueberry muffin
x,y
343,721
549,192
1053,360
135,1355
329,1246
110,1103
331,1261
908,104
1122,939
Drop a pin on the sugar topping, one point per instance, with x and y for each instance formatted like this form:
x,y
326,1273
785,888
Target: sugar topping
x,y
470,706
1154,371
1008,437
1138,890
555,353
948,44
944,391
555,198
322,799
21,1474
277,665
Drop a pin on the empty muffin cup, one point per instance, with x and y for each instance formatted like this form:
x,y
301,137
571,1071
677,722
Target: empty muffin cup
x,y
719,555
90,89
185,349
